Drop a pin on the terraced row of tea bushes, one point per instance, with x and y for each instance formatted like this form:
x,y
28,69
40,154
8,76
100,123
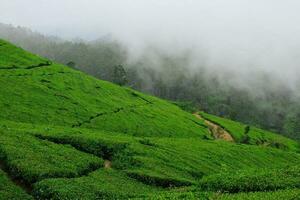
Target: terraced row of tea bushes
x,y
84,102
126,153
290,194
152,162
31,159
107,145
152,120
179,194
169,159
253,180
258,136
101,184
8,190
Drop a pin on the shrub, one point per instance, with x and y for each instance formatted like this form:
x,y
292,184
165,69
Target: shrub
x,y
253,180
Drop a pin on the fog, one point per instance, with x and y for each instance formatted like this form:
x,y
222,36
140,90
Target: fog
x,y
239,36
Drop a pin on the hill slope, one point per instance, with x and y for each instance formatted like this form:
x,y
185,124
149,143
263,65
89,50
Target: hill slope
x,y
251,135
60,127
37,91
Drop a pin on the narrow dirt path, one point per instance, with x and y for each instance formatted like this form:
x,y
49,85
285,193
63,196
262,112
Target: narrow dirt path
x,y
216,131
107,164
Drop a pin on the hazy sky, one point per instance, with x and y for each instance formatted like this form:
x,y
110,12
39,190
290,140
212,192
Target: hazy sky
x,y
237,34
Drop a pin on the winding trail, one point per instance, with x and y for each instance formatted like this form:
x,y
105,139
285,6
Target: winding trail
x,y
107,164
216,131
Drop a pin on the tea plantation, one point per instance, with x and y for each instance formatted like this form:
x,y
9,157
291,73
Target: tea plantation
x,y
66,135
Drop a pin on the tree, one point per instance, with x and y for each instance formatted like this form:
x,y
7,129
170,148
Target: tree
x,y
119,75
71,64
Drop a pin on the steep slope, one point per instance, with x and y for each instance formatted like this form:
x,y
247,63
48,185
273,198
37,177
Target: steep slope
x,y
54,94
59,128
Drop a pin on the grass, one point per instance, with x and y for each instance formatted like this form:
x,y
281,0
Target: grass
x,y
58,125
209,156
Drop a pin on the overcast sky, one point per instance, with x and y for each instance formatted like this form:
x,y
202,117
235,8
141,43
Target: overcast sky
x,y
258,34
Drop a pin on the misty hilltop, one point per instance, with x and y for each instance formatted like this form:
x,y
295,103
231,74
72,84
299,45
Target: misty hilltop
x,y
67,135
150,100
247,98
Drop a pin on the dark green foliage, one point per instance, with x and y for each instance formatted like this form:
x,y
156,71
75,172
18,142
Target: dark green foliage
x,y
187,106
246,138
147,142
291,123
71,64
247,129
8,190
119,75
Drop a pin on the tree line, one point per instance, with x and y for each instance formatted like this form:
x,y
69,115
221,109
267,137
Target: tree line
x,y
274,108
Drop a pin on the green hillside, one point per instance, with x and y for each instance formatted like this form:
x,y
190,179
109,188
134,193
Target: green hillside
x,y
66,135
252,135
57,95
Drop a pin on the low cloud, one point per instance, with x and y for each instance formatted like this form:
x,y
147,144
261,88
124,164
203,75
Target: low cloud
x,y
244,37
